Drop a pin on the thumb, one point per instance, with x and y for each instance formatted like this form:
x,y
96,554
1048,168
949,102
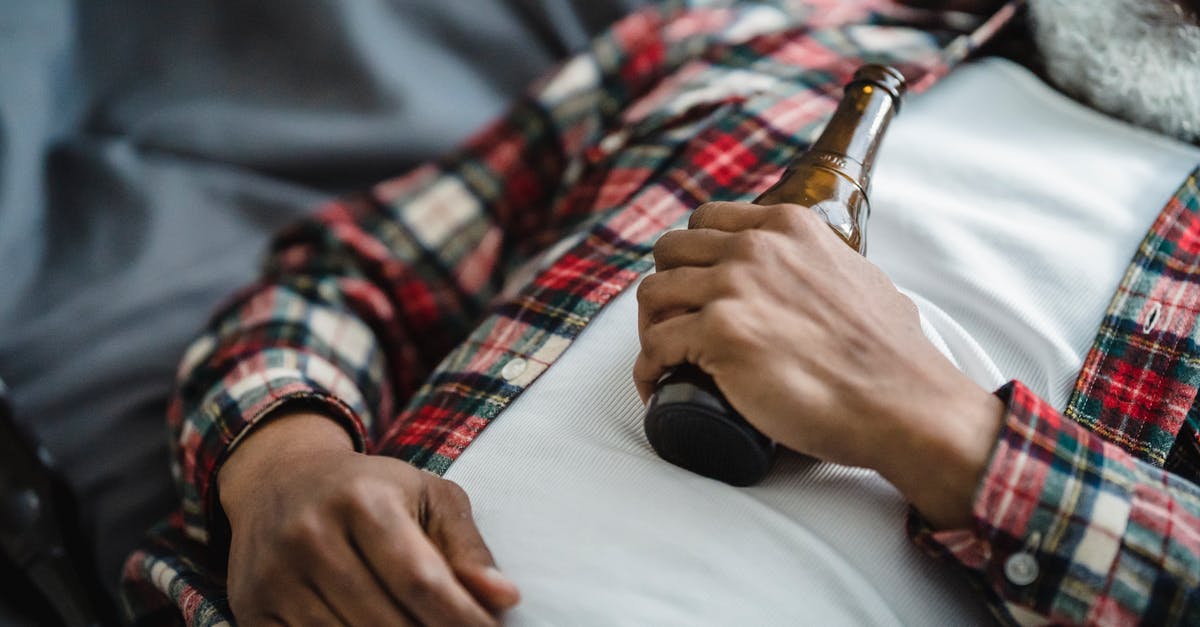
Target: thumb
x,y
453,530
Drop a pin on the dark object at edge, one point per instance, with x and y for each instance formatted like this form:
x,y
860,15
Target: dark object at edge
x,y
40,546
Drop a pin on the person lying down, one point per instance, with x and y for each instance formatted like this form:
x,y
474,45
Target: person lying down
x,y
428,410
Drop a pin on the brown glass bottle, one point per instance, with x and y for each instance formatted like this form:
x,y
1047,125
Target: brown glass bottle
x,y
688,421
834,175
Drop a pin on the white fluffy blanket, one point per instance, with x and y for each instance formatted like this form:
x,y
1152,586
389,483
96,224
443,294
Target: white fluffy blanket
x,y
1135,59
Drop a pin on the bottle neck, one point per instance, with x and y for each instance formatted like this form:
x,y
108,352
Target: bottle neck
x,y
833,176
852,138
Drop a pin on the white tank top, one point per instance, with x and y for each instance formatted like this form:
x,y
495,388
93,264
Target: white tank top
x,y
1006,211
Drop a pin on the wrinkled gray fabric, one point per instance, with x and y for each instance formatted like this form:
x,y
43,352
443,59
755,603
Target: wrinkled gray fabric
x,y
147,150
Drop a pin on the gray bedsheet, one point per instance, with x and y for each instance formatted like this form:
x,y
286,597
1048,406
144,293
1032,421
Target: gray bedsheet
x,y
147,150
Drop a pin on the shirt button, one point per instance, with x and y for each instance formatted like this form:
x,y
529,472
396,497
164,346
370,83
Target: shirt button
x,y
1021,568
513,369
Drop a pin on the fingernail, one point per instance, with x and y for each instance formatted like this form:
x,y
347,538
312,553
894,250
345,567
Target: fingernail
x,y
494,574
508,593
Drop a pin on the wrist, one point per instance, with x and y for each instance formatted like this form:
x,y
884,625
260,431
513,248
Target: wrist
x,y
940,459
286,436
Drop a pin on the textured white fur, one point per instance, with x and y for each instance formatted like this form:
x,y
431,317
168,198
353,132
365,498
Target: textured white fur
x,y
1135,59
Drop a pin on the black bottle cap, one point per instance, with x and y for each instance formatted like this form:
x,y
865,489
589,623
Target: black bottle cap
x,y
690,424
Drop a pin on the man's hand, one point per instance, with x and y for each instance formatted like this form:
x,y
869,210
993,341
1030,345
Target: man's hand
x,y
324,535
817,349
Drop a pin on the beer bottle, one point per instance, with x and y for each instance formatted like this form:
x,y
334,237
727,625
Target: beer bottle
x,y
688,421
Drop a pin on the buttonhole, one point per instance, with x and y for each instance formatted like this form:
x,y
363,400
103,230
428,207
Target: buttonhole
x,y
1152,318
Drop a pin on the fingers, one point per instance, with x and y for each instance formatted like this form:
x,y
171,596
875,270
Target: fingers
x,y
741,217
352,591
342,540
664,345
280,592
415,574
693,247
453,530
723,230
674,292
730,217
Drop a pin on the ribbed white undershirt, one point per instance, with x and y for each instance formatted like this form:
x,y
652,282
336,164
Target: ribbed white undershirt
x,y
1008,212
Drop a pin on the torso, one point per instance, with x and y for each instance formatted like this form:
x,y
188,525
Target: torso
x,y
1010,243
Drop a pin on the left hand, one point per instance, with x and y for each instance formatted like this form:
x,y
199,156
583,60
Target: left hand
x,y
325,535
817,349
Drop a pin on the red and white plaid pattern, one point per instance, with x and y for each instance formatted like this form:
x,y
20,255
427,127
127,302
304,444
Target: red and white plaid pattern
x,y
389,310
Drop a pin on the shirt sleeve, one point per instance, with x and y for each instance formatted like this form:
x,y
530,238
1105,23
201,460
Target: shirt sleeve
x,y
1071,529
360,302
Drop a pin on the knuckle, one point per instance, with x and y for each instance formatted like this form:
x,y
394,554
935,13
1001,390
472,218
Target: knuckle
x,y
792,218
363,495
645,289
666,248
454,494
727,279
700,215
423,579
663,244
806,220
717,316
302,532
723,322
750,244
359,492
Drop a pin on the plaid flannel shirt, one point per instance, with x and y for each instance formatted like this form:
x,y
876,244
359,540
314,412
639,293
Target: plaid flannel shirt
x,y
388,310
